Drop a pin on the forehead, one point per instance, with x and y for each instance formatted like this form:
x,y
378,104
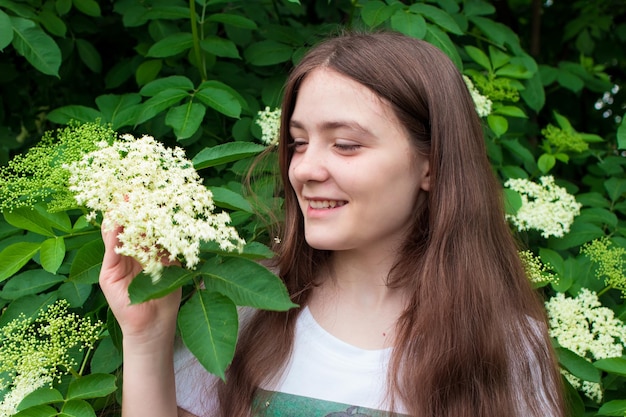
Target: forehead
x,y
326,96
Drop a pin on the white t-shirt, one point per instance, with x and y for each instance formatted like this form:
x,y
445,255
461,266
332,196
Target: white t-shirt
x,y
346,378
327,377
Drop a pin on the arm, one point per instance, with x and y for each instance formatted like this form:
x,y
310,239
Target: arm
x,y
148,344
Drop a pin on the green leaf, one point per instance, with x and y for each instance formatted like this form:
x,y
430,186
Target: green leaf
x,y
225,198
185,119
512,111
172,82
615,366
613,408
106,357
479,57
220,47
86,265
77,408
578,366
252,250
534,94
29,282
621,134
63,115
171,45
519,151
119,110
375,12
408,23
63,6
267,52
570,80
143,289
148,70
74,293
226,152
37,411
512,201
219,97
442,41
498,124
39,49
579,233
246,283
615,187
52,23
15,256
29,306
599,216
88,7
208,325
40,396
477,8
514,71
91,386
496,32
437,16
546,162
553,260
89,55
234,20
52,253
160,102
498,57
6,30
38,220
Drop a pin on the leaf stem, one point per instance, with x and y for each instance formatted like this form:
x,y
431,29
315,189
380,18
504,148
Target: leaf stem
x,y
196,40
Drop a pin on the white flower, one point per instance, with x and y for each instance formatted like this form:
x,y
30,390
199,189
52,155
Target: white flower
x,y
23,384
269,121
545,207
582,325
482,103
157,197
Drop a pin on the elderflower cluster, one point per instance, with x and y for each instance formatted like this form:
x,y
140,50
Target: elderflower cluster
x,y
156,196
482,103
564,140
536,271
38,174
582,325
36,352
269,121
545,207
610,262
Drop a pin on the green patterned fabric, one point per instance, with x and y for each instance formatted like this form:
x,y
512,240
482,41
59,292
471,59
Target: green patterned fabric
x,y
278,404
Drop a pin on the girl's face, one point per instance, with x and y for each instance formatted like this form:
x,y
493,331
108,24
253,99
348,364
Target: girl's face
x,y
355,173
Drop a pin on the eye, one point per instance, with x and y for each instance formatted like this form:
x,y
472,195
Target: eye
x,y
298,145
346,146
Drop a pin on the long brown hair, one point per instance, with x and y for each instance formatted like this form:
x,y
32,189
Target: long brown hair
x,y
473,337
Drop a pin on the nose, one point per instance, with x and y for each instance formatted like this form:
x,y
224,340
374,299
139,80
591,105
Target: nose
x,y
308,165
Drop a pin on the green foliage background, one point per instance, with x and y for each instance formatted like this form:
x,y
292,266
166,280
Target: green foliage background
x,y
195,74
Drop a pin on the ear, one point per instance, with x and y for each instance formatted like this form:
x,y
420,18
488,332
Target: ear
x,y
424,181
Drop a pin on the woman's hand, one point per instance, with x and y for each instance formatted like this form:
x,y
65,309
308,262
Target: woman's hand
x,y
147,322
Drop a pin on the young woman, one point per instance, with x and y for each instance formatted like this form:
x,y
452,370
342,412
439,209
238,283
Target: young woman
x,y
412,297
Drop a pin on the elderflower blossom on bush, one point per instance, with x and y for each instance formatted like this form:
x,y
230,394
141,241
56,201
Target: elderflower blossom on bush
x,y
269,121
610,262
156,196
36,352
582,325
538,273
482,103
545,207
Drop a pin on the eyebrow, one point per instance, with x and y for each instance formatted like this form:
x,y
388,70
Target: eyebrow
x,y
334,125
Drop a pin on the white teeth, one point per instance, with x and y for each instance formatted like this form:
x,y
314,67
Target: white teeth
x,y
325,204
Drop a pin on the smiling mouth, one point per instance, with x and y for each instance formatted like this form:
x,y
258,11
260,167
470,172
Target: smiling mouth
x,y
326,204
